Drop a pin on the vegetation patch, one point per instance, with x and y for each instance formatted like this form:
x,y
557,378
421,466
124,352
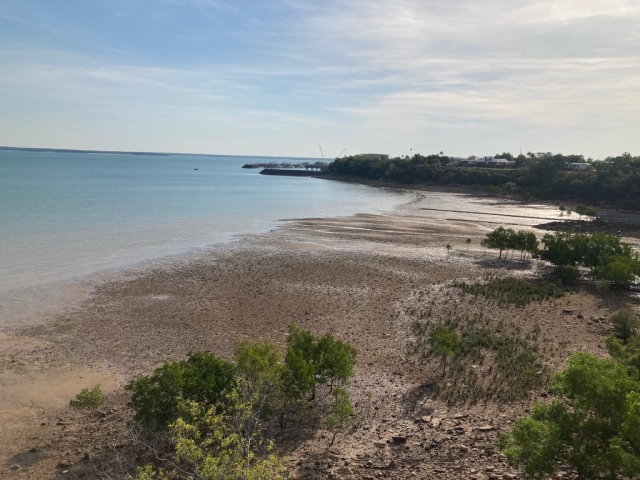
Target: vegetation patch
x,y
491,362
512,291
88,398
217,414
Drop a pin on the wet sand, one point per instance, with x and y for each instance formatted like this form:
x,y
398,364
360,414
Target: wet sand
x,y
362,278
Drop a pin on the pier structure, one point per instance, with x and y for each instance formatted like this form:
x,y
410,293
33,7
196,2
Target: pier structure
x,y
271,165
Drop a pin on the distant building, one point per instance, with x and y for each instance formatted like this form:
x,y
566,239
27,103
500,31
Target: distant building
x,y
487,162
375,156
578,166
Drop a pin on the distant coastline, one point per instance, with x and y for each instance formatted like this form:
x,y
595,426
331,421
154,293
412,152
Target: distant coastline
x,y
119,152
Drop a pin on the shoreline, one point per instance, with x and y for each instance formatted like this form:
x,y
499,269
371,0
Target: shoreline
x,y
63,290
356,277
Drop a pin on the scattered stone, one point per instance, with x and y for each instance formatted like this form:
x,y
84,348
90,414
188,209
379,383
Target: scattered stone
x,y
486,428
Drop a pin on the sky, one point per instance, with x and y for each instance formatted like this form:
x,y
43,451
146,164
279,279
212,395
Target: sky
x,y
281,77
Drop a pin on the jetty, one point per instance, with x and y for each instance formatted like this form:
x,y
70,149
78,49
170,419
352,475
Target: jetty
x,y
291,172
288,165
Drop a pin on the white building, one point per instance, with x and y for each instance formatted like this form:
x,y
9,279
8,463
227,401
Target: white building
x,y
578,166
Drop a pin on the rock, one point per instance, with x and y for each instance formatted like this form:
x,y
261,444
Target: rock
x,y
63,464
486,428
464,449
399,439
14,467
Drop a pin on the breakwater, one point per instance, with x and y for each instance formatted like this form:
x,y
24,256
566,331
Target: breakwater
x,y
290,172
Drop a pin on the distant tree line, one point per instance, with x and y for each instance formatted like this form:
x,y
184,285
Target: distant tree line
x,y
615,180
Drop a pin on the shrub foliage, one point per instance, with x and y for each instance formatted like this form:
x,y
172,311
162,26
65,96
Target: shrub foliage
x,y
512,290
88,398
202,378
592,425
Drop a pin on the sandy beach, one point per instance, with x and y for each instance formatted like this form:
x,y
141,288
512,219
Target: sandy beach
x,y
364,278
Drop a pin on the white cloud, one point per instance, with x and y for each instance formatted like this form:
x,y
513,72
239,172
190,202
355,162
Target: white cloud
x,y
382,71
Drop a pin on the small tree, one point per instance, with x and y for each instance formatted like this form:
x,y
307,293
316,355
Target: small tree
x,y
258,366
625,324
342,415
88,398
499,239
603,287
448,247
567,273
203,378
215,444
625,353
336,360
445,343
581,210
592,426
468,242
311,360
619,270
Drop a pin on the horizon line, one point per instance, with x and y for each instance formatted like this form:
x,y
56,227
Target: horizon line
x,y
133,152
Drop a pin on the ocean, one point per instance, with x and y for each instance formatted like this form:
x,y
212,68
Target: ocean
x,y
67,215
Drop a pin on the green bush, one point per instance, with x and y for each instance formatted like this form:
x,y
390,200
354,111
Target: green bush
x,y
608,258
342,414
88,398
227,444
587,249
203,378
626,353
603,287
619,270
445,343
625,324
313,360
512,290
592,426
515,367
567,273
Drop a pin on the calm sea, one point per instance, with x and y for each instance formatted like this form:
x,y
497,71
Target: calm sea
x,y
64,215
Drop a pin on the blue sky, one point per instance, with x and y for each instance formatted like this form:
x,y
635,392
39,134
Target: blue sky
x,y
281,77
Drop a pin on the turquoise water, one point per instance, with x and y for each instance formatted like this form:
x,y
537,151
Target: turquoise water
x,y
64,215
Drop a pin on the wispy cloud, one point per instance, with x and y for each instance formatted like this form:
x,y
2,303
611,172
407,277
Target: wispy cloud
x,y
374,73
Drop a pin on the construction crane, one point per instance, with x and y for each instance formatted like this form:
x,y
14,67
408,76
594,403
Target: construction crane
x,y
321,152
340,154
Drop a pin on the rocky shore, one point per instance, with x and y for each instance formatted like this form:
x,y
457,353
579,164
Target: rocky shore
x,y
367,279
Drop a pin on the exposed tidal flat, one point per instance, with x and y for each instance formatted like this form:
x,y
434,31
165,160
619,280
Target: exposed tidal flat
x,y
365,276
